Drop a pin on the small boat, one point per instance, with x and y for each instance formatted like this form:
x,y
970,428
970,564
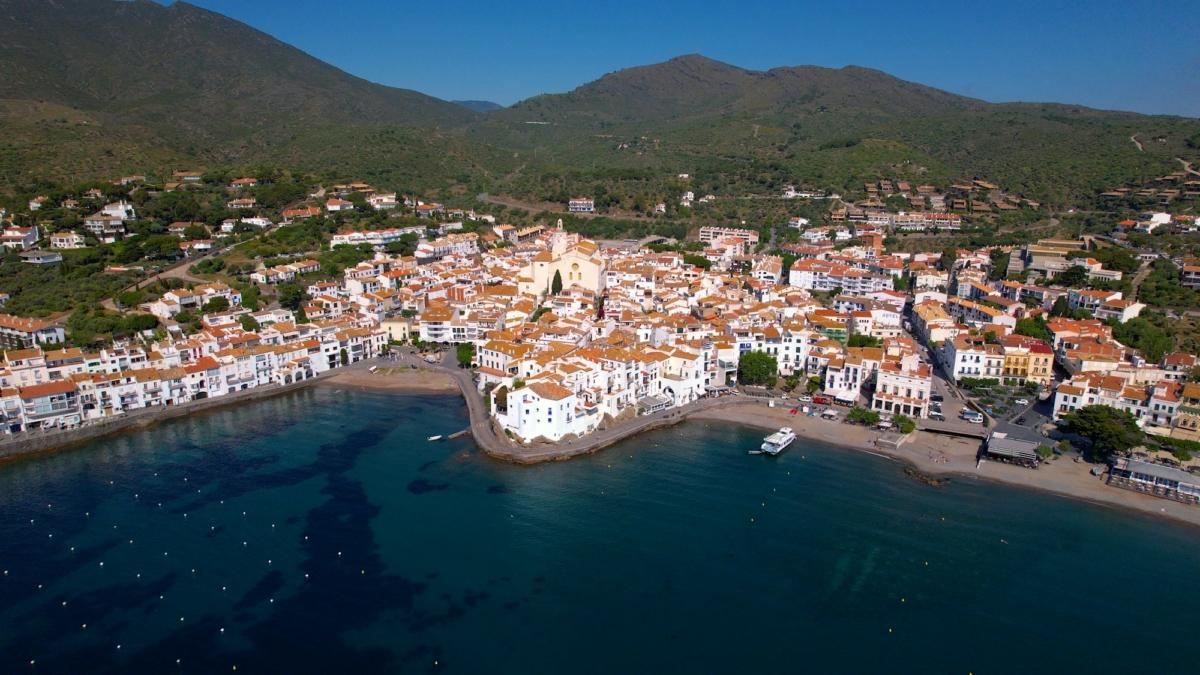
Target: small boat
x,y
778,441
754,452
434,438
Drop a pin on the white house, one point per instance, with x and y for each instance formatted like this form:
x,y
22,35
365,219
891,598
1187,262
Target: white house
x,y
541,410
67,240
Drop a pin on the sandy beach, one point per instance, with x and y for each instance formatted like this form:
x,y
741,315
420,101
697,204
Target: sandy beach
x,y
940,455
396,378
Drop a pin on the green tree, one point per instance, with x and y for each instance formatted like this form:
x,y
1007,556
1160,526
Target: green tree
x,y
904,424
900,283
1061,307
344,357
195,232
864,340
863,416
465,352
1044,451
1034,328
1072,277
217,304
501,398
129,298
249,323
756,368
1139,333
556,283
135,323
1111,431
697,261
291,296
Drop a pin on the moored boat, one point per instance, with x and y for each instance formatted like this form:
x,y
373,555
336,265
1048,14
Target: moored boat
x,y
778,441
434,438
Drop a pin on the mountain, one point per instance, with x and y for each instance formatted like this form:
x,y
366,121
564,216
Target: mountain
x,y
479,106
92,88
831,127
691,86
182,83
180,63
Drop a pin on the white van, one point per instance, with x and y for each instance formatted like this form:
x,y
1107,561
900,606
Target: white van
x,y
972,416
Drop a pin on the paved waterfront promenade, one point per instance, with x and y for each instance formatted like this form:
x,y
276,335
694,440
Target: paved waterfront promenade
x,y
38,440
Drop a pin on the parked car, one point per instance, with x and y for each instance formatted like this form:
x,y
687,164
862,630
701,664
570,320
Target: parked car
x,y
1021,420
1021,401
936,397
821,400
805,399
937,416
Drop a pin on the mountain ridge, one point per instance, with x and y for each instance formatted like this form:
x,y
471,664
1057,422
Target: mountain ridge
x,y
140,85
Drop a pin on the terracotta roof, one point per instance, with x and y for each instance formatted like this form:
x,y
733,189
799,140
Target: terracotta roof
x,y
48,389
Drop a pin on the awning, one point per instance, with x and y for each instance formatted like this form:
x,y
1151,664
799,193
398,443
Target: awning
x,y
846,396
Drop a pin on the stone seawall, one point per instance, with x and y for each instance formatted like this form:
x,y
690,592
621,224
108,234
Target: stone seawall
x,y
30,442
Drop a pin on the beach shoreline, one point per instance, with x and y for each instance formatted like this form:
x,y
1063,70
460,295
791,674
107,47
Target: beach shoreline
x,y
943,456
394,378
935,455
931,454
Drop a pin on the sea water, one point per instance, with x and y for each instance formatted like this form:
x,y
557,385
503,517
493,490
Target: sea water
x,y
319,532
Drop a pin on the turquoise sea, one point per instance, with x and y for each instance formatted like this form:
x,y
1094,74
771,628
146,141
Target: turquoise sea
x,y
318,532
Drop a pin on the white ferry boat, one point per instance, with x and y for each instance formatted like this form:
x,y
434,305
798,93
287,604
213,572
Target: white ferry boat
x,y
778,441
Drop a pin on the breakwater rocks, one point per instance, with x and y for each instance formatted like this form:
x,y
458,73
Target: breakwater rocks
x,y
928,480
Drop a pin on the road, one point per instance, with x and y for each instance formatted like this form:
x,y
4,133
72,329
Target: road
x,y
1143,272
179,271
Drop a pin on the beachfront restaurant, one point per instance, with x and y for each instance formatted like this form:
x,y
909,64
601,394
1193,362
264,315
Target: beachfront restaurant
x,y
1004,449
653,404
1155,479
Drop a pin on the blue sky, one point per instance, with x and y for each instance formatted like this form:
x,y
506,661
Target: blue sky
x,y
1112,54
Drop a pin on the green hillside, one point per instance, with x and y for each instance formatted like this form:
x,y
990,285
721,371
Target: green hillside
x,y
93,88
833,127
96,87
